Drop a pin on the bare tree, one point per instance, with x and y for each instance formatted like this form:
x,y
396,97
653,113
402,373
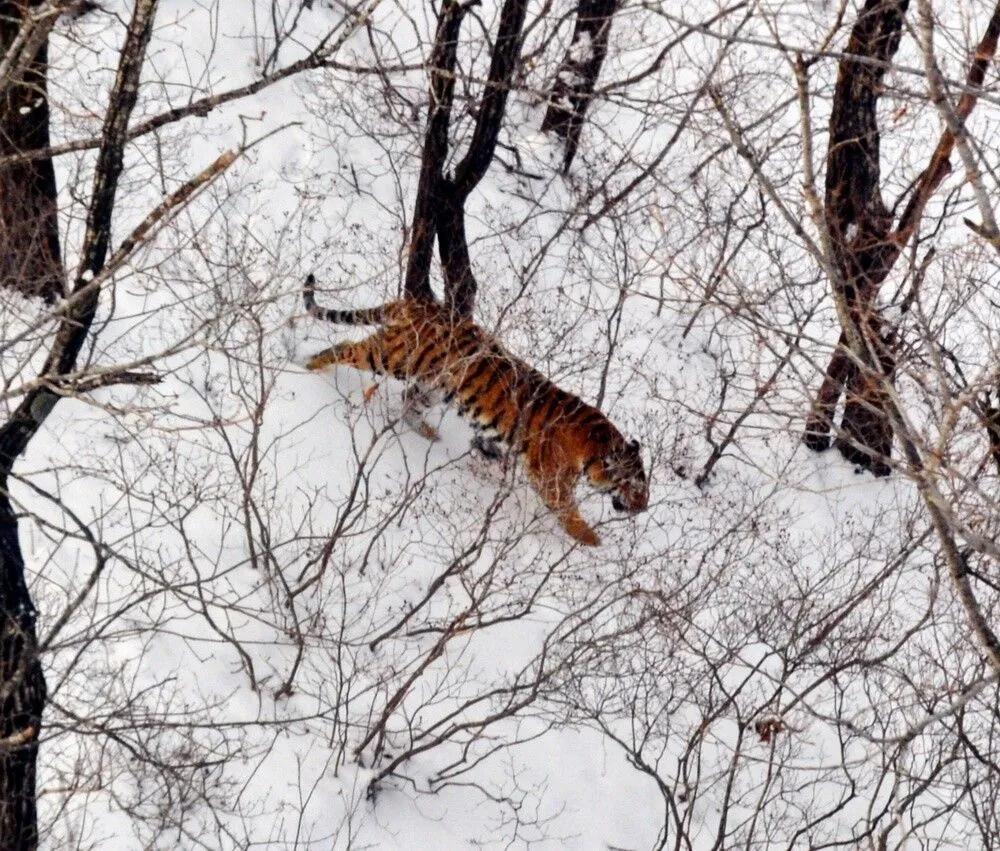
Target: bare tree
x,y
24,684
439,209
864,241
32,264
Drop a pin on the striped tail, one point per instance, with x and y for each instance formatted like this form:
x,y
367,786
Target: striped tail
x,y
365,316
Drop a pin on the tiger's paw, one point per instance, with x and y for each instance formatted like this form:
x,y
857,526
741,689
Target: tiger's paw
x,y
420,425
578,528
428,431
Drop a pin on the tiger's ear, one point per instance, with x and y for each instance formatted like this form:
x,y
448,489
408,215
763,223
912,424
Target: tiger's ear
x,y
633,445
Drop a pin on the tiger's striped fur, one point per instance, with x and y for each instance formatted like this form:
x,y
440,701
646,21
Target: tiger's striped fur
x,y
561,437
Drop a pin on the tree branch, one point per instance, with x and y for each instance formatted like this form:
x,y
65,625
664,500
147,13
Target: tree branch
x,y
506,53
320,57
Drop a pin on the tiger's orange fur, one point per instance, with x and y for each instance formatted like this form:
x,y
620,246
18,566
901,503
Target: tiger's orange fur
x,y
561,437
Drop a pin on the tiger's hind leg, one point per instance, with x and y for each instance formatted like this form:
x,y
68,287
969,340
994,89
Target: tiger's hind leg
x,y
556,491
365,355
416,401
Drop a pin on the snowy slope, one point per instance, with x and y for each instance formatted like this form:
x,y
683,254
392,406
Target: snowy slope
x,y
292,589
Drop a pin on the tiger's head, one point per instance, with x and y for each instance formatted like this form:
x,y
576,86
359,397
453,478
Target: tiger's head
x,y
620,471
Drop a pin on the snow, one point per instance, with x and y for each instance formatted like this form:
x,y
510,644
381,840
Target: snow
x,y
286,563
582,49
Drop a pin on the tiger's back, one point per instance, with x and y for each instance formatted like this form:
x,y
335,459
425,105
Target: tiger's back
x,y
560,436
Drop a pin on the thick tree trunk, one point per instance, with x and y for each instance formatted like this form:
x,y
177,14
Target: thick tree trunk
x,y
460,283
865,436
30,259
424,226
824,406
991,422
576,79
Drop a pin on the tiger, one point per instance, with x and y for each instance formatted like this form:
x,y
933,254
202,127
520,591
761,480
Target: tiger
x,y
511,405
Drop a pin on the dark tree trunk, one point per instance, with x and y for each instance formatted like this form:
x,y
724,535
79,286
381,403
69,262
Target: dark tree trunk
x,y
30,262
824,406
460,283
424,227
22,690
991,422
30,259
440,205
576,78
865,435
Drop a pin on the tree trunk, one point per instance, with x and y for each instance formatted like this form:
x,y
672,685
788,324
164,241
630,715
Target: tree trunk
x,y
991,422
440,205
30,259
576,79
424,226
30,262
460,283
864,251
22,691
865,436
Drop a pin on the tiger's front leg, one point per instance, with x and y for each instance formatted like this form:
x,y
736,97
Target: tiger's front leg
x,y
556,491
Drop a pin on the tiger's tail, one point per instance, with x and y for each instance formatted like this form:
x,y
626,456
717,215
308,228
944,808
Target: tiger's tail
x,y
364,316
